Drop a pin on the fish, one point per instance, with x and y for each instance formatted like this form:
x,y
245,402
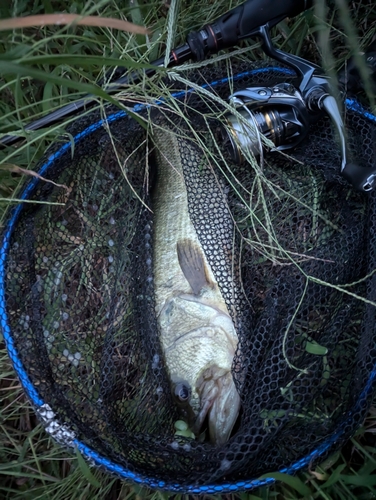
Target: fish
x,y
196,325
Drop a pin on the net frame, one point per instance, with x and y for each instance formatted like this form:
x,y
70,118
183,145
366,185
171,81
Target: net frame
x,y
63,434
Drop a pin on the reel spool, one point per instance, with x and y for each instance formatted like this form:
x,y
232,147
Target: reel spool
x,y
278,113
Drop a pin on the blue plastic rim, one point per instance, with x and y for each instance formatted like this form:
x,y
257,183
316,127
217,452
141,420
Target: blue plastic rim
x,y
37,401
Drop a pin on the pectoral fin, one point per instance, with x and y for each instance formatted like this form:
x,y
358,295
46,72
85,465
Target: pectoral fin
x,y
192,263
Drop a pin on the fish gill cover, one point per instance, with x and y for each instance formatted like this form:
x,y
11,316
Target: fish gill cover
x,y
79,299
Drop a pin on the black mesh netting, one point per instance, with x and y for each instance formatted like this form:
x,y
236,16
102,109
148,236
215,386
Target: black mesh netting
x,y
79,298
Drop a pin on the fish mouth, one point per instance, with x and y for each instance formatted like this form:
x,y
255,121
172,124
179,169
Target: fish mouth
x,y
220,402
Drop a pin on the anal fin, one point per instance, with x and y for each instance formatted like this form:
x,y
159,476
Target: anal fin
x,y
192,263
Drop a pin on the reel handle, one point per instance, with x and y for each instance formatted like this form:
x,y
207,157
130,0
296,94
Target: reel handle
x,y
362,178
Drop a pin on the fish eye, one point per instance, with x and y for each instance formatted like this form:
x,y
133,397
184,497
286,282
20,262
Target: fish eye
x,y
182,392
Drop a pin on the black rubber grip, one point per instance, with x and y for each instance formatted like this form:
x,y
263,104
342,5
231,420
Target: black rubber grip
x,y
362,178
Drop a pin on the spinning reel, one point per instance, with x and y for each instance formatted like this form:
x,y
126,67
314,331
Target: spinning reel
x,y
284,113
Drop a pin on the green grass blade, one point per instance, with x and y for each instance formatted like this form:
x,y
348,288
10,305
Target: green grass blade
x,y
86,471
292,481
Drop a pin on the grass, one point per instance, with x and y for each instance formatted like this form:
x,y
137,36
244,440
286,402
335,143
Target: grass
x,y
44,68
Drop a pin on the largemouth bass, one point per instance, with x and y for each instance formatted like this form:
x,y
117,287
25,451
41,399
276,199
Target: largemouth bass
x,y
197,331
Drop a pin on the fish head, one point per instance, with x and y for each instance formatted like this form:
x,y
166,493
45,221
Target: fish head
x,y
203,384
214,398
219,402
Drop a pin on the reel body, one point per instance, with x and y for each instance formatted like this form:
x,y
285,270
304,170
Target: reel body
x,y
284,113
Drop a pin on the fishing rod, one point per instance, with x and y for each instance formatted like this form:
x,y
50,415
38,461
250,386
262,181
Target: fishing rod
x,y
236,25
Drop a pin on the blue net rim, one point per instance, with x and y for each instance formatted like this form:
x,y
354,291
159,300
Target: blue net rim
x,y
37,401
